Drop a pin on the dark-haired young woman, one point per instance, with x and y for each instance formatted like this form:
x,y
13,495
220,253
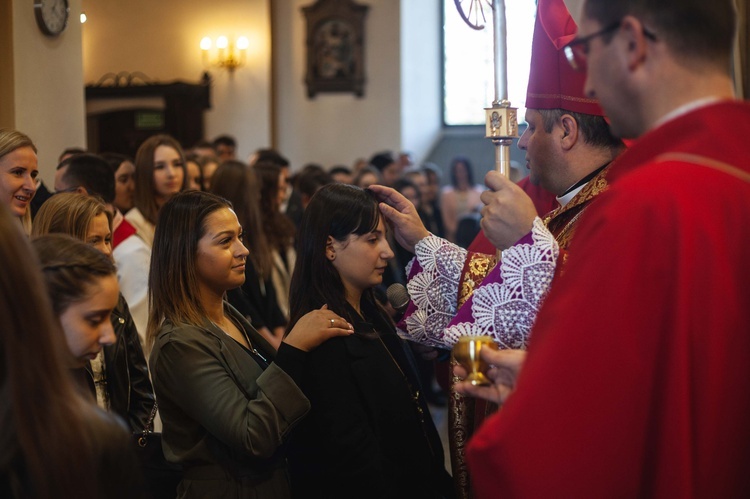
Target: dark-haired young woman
x,y
279,229
52,442
118,377
159,175
227,398
369,433
256,298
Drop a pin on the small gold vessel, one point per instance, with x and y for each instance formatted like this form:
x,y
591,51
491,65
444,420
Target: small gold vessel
x,y
466,352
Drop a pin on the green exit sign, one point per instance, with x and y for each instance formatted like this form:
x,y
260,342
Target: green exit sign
x,y
149,120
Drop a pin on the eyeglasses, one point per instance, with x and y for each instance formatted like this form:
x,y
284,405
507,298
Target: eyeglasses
x,y
577,51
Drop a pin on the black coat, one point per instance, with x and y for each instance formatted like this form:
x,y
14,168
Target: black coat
x,y
131,395
369,433
256,300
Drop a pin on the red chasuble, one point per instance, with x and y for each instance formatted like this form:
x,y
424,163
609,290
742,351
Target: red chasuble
x,y
637,382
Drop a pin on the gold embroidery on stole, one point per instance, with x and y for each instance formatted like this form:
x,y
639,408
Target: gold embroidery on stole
x,y
477,268
462,410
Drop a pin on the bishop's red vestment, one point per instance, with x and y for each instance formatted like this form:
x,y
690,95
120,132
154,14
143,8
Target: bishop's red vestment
x,y
637,380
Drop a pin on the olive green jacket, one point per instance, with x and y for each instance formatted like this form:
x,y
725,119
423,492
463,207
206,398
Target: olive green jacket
x,y
225,418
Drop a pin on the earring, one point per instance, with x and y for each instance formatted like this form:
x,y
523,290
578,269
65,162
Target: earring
x,y
332,256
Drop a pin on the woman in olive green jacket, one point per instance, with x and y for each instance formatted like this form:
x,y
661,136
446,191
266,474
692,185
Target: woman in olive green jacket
x,y
227,399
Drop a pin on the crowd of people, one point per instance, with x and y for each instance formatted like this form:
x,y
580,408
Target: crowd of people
x,y
239,307
230,348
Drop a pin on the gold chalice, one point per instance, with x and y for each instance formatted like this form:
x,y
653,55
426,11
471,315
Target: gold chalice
x,y
466,352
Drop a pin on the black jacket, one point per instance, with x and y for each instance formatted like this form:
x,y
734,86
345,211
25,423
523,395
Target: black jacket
x,y
369,433
131,395
256,300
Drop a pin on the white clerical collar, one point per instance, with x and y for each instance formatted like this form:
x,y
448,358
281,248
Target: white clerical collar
x,y
565,198
684,109
117,219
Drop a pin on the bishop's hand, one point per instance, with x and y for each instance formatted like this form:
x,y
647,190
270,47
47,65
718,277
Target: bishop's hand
x,y
408,228
509,212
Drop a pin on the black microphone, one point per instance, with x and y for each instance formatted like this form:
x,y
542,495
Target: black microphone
x,y
398,297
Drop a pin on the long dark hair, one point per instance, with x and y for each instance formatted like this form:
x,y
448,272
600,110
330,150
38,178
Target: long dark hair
x,y
172,281
69,267
336,210
462,160
278,227
41,414
236,182
144,197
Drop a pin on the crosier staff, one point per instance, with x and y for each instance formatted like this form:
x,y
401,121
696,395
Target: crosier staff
x,y
501,127
501,120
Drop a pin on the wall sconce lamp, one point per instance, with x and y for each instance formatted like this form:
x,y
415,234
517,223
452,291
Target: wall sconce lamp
x,y
229,55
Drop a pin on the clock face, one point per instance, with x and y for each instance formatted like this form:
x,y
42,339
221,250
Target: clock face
x,y
51,15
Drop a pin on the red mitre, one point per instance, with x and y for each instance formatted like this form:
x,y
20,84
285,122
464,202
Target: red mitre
x,y
553,84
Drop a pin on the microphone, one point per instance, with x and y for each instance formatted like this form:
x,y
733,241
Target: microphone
x,y
398,297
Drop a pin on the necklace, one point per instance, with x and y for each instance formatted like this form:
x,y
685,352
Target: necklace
x,y
243,332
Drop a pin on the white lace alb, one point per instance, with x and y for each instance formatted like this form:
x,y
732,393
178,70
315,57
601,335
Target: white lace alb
x,y
503,306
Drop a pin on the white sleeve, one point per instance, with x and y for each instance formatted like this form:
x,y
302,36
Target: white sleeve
x,y
506,303
133,259
434,277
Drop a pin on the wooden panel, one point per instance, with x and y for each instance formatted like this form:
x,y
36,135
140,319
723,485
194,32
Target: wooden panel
x,y
121,131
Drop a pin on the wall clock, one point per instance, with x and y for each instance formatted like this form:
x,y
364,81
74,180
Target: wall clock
x,y
51,16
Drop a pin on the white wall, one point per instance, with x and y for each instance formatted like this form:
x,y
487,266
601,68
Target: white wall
x,y
161,39
337,128
47,87
42,94
574,7
400,108
421,68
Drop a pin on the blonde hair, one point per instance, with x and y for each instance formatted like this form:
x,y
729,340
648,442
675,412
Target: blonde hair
x,y
68,213
26,222
10,140
49,430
